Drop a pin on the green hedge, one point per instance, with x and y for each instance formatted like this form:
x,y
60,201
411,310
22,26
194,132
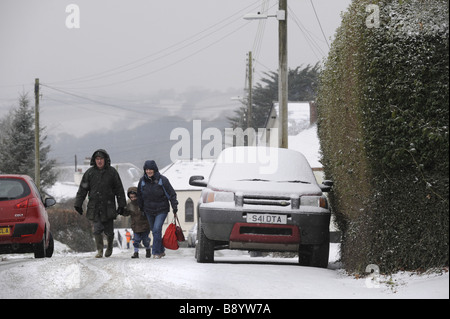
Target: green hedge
x,y
383,125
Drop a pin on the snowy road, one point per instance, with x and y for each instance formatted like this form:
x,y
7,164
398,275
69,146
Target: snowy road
x,y
234,275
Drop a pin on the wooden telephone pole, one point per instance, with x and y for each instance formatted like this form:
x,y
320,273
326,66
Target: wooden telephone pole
x,y
282,67
283,75
37,166
250,90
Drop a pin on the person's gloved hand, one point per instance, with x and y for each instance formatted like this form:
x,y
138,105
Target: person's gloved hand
x,y
120,210
79,210
175,210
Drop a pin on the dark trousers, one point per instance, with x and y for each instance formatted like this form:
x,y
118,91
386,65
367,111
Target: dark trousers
x,y
104,227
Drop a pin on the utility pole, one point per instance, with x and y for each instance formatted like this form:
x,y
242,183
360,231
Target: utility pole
x,y
37,166
282,67
250,90
283,75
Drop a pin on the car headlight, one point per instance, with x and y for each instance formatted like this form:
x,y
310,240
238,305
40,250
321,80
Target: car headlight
x,y
217,196
315,201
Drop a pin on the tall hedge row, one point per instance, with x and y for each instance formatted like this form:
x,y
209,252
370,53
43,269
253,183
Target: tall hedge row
x,y
383,108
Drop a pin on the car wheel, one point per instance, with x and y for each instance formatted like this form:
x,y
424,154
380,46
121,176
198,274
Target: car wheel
x,y
39,248
204,248
319,257
315,255
304,255
50,248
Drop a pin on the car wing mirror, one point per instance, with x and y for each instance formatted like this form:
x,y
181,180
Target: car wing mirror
x,y
326,186
197,181
49,201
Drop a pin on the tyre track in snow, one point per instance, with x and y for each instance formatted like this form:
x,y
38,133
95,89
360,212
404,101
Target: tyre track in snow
x,y
111,277
10,275
234,275
119,276
92,279
43,278
82,276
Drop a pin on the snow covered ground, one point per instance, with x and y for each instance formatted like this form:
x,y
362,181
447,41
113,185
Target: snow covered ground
x,y
234,275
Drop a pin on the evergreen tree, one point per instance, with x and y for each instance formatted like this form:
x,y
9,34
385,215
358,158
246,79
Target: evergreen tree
x,y
302,87
17,149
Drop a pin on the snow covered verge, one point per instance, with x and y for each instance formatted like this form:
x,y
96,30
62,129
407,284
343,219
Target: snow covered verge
x,y
234,275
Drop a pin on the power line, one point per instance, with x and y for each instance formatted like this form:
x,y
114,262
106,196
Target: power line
x,y
261,28
320,24
175,48
152,110
85,98
315,48
175,62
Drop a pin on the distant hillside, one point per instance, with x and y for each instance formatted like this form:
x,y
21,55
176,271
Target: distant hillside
x,y
148,141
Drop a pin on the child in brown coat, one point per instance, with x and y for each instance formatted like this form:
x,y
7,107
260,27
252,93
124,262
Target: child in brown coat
x,y
139,224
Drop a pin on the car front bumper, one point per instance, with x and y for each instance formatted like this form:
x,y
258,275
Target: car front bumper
x,y
306,226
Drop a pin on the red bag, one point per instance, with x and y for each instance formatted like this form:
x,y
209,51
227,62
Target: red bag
x,y
170,238
178,230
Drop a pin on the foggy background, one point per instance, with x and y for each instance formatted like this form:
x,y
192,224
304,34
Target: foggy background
x,y
136,69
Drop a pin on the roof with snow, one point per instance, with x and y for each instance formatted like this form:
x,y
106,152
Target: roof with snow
x,y
299,116
307,143
302,135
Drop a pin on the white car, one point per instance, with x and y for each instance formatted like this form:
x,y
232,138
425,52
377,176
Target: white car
x,y
263,199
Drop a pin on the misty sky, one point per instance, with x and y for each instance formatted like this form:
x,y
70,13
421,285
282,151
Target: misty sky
x,y
125,52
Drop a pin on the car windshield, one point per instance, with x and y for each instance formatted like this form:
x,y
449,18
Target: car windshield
x,y
253,164
266,180
11,188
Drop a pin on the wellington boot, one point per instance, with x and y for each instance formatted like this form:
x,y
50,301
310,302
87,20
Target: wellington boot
x,y
109,248
148,253
99,245
135,255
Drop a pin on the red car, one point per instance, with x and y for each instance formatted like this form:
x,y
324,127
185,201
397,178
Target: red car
x,y
24,225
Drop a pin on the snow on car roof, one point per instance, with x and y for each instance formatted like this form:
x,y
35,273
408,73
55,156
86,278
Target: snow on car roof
x,y
267,163
263,170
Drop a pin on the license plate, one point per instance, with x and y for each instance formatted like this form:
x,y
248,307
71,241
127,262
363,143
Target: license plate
x,y
5,231
266,219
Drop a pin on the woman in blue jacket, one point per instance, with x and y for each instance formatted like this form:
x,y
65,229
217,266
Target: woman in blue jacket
x,y
154,194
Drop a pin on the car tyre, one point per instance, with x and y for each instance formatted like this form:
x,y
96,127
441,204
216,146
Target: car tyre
x,y
39,248
51,247
315,255
320,255
204,248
